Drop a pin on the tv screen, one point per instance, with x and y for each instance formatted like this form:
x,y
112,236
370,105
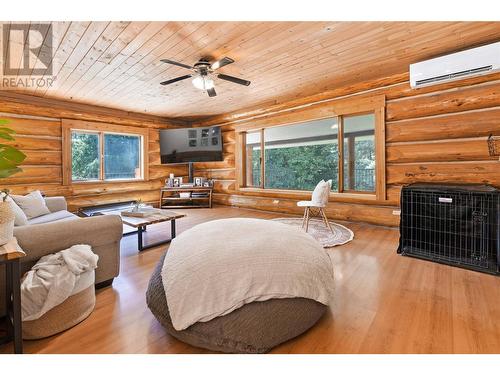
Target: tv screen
x,y
190,145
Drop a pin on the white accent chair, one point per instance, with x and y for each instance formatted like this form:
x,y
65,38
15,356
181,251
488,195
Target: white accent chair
x,y
315,207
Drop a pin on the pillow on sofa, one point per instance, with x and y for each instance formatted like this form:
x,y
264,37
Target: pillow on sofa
x,y
20,217
32,204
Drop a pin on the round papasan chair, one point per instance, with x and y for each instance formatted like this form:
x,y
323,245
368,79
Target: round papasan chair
x,y
241,285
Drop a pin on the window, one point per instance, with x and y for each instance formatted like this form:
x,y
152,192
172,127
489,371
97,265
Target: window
x,y
85,158
359,152
253,159
103,152
122,156
296,156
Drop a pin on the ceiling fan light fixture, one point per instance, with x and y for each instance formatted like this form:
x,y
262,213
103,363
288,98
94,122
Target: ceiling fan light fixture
x,y
202,74
203,82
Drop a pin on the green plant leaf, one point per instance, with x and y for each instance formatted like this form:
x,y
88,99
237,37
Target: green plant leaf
x,y
10,157
12,154
7,130
4,173
6,136
7,164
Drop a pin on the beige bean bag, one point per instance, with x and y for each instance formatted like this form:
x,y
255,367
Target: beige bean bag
x,y
241,285
256,327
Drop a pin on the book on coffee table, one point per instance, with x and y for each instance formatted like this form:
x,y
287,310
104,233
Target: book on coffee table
x,y
142,212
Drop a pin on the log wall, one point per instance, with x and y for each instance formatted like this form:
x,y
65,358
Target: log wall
x,y
37,123
433,134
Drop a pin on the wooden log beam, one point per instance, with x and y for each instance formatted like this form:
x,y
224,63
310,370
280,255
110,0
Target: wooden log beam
x,y
13,102
469,124
454,100
444,150
480,172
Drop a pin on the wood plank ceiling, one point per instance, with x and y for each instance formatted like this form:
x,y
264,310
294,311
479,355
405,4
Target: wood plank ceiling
x,y
117,64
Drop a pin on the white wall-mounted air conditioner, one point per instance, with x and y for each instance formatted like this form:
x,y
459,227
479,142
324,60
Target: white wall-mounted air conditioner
x,y
460,65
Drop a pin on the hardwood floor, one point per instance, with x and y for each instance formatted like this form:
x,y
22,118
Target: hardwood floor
x,y
385,303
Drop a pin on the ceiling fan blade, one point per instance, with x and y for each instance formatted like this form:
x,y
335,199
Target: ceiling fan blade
x,y
222,62
176,63
175,80
234,79
211,92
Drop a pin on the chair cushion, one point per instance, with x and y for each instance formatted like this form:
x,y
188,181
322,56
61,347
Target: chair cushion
x,y
256,327
32,204
306,204
53,216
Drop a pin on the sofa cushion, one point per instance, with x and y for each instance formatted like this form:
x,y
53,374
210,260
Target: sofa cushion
x,y
32,204
19,215
53,216
256,327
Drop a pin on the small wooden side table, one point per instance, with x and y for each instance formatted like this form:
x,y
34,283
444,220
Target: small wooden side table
x,y
199,197
10,256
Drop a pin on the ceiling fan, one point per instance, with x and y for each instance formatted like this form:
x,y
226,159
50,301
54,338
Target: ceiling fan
x,y
204,74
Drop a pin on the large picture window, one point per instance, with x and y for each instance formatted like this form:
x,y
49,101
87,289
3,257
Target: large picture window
x,y
347,148
298,156
101,152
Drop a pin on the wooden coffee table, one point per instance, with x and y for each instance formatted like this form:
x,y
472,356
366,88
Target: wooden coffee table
x,y
155,215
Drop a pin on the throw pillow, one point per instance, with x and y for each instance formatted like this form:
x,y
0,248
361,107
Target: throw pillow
x,y
32,204
20,217
320,193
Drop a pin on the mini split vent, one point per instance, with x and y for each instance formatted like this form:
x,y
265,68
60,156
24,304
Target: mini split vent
x,y
460,65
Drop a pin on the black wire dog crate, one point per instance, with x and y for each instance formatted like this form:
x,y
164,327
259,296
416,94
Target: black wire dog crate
x,y
452,224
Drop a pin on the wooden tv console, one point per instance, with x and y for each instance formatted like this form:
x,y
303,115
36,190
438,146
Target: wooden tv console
x,y
170,197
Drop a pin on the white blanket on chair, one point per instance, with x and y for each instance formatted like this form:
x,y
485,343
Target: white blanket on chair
x,y
54,278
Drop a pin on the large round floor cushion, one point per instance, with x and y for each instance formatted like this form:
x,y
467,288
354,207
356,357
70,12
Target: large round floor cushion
x,y
72,311
256,327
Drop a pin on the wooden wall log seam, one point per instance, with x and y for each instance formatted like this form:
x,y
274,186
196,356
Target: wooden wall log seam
x,y
472,162
29,117
16,135
458,113
437,92
440,141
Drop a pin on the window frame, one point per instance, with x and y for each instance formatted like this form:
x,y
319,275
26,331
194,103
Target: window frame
x,y
336,108
70,126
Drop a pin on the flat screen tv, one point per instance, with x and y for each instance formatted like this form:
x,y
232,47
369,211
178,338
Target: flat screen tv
x,y
190,145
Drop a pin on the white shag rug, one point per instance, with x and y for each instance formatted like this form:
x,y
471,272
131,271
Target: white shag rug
x,y
320,232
